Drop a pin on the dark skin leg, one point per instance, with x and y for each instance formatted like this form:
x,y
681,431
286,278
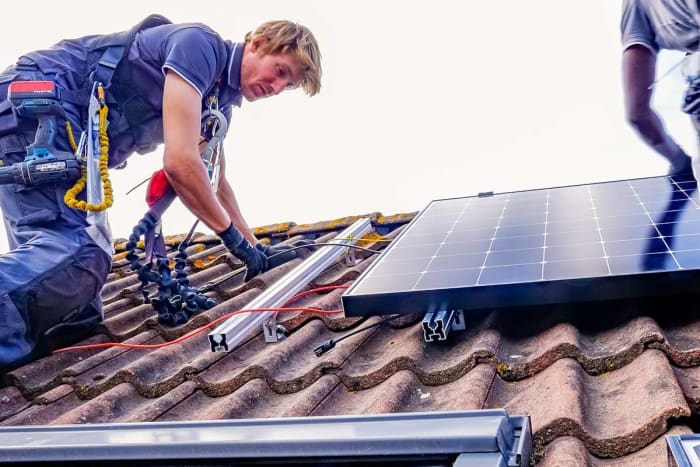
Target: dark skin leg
x,y
638,70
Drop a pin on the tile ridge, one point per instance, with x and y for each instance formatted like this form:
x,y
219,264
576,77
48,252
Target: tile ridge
x,y
569,448
393,366
593,365
606,448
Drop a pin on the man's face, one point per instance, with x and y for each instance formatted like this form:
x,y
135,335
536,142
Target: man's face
x,y
269,74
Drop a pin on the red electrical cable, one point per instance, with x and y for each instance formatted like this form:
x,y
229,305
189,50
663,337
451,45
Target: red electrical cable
x,y
199,330
308,292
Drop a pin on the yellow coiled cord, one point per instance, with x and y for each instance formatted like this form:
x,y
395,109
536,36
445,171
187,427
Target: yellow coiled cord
x,y
70,196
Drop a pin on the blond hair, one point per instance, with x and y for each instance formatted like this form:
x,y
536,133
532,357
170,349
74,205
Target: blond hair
x,y
284,36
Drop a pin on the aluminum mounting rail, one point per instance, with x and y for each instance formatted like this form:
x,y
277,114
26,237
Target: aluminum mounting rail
x,y
229,334
461,438
685,449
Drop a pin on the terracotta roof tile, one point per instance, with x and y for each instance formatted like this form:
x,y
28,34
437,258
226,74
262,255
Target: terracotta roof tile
x,y
570,451
563,400
273,229
287,367
11,402
255,399
46,414
403,391
332,225
124,403
598,352
390,350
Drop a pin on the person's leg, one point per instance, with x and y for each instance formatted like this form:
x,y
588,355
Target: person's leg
x,y
695,120
54,299
51,278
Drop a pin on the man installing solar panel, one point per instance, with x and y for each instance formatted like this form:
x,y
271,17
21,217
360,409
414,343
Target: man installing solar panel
x,y
102,98
648,26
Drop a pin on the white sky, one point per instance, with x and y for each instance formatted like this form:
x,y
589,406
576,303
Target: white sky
x,y
420,101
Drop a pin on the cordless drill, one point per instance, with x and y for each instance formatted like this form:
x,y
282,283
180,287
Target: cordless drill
x,y
43,163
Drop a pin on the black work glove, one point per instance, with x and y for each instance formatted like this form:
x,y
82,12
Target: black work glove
x,y
280,254
255,260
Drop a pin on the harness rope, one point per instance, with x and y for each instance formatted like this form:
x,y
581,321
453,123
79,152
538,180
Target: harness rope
x,y
71,193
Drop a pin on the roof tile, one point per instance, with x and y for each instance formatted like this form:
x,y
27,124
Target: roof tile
x,y
597,352
288,366
11,402
326,226
255,399
570,451
390,350
563,400
403,391
124,403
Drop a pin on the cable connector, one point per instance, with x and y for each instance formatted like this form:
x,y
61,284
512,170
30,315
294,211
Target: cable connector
x,y
325,347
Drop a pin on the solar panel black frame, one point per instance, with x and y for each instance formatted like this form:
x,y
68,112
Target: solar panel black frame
x,y
647,245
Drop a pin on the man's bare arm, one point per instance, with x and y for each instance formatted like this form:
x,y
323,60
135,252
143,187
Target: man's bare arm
x,y
181,160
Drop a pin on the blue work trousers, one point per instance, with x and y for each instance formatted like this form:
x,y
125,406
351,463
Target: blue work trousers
x,y
51,278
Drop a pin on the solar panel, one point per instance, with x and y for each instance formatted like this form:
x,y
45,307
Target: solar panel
x,y
600,241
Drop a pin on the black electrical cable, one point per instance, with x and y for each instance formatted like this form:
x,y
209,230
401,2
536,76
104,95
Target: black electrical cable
x,y
312,245
211,284
330,343
138,185
149,177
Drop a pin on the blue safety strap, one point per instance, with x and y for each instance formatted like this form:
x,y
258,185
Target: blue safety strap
x,y
113,47
107,65
120,43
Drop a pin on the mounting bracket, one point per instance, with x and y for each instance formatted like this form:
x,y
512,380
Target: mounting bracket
x,y
437,325
350,258
272,331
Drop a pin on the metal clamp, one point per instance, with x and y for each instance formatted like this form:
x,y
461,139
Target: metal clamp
x,y
211,154
350,258
272,331
437,325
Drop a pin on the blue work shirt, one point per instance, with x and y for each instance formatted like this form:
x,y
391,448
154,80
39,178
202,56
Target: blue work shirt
x,y
193,51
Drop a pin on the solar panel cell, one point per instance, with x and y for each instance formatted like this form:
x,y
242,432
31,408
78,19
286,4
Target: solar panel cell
x,y
688,259
635,247
474,246
569,253
583,267
518,243
633,264
507,257
511,274
448,262
445,279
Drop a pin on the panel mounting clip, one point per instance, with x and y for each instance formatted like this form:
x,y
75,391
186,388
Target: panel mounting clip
x,y
350,258
437,325
272,331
